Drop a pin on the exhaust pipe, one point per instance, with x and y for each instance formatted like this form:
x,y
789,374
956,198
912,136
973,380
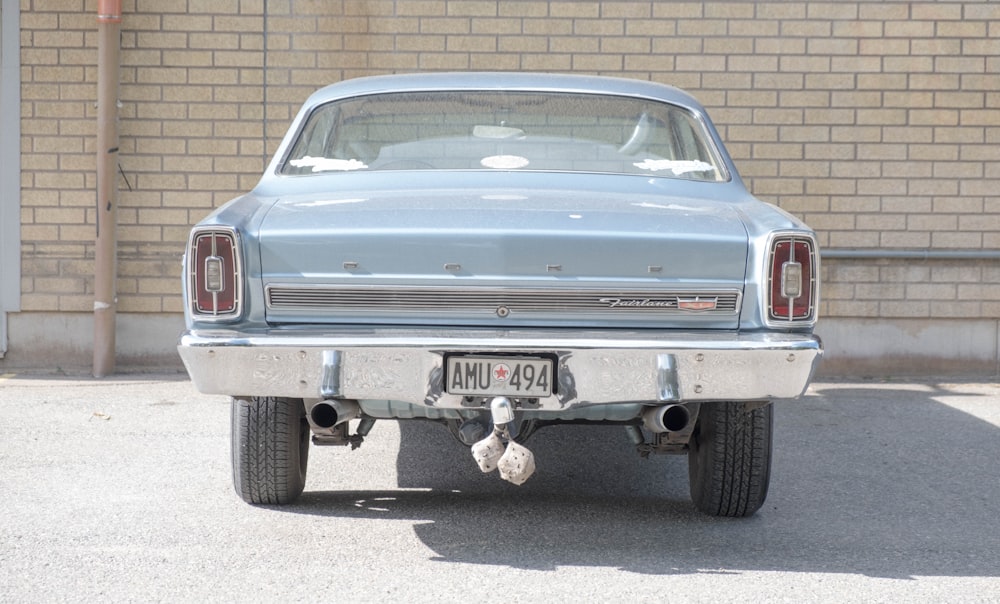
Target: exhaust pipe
x,y
668,418
326,415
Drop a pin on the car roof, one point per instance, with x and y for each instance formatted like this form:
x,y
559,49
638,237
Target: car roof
x,y
504,80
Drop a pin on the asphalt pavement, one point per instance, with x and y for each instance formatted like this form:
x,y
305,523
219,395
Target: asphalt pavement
x,y
119,490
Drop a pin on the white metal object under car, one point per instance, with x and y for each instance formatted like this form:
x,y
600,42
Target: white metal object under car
x,y
502,252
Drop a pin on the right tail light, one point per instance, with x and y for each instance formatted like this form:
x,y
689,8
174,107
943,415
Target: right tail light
x,y
792,280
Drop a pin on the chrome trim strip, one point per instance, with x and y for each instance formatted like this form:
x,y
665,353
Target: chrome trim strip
x,y
281,296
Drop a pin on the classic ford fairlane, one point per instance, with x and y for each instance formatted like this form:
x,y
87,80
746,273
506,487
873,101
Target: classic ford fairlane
x,y
502,252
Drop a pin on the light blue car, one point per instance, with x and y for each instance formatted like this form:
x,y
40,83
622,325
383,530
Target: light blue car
x,y
502,252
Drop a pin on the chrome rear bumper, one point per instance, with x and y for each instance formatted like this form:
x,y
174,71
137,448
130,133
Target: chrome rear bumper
x,y
593,367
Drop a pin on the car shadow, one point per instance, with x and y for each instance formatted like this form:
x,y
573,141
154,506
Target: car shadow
x,y
884,482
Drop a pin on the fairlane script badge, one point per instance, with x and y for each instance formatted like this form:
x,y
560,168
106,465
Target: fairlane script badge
x,y
638,303
692,304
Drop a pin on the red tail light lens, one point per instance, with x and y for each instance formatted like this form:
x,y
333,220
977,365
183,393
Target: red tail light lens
x,y
214,269
791,279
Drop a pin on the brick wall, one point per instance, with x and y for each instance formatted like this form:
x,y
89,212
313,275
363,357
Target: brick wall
x,y
191,137
878,122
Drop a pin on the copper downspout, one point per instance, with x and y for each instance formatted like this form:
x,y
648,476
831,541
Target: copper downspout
x,y
109,18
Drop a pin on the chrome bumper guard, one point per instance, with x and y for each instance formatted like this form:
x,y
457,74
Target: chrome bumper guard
x,y
593,367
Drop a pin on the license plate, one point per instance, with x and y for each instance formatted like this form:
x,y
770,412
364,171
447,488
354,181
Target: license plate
x,y
499,376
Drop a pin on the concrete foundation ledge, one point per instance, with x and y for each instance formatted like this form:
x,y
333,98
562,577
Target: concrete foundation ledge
x,y
63,343
910,347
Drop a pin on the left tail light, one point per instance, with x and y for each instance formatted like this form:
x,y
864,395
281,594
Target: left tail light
x,y
792,280
214,269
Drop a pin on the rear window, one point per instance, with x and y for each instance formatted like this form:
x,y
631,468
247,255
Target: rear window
x,y
498,130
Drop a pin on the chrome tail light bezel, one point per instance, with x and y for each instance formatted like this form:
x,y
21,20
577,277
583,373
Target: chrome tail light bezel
x,y
219,247
791,280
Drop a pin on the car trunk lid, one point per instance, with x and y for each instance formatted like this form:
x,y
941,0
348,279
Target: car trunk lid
x,y
525,257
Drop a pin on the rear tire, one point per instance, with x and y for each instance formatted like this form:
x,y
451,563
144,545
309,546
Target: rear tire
x,y
270,447
729,461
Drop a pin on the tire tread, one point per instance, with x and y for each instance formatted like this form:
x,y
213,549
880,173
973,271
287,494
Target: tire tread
x,y
268,457
730,462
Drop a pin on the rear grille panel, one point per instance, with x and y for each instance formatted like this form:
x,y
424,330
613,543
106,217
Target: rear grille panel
x,y
447,301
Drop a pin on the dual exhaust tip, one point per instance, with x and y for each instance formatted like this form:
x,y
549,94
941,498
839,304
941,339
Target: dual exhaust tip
x,y
326,415
515,461
329,414
666,418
